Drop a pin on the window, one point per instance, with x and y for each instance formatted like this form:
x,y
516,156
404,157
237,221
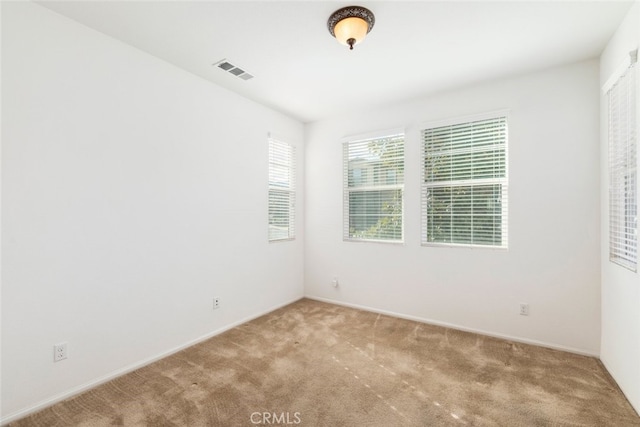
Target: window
x,y
623,178
464,183
282,191
373,188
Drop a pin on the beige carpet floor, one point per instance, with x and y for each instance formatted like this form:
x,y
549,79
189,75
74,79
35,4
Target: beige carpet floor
x,y
317,364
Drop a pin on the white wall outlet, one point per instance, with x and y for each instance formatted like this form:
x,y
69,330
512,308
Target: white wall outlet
x,y
59,351
334,282
524,309
216,302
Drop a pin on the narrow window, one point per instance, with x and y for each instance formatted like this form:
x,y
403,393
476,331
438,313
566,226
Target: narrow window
x,y
373,188
623,178
282,191
464,183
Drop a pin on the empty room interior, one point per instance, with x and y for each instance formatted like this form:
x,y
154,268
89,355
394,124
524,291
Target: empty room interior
x,y
319,213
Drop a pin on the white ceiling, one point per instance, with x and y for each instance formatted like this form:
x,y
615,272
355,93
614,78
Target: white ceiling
x,y
415,48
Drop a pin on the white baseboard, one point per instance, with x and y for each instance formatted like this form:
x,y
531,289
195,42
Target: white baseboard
x,y
115,374
458,327
634,405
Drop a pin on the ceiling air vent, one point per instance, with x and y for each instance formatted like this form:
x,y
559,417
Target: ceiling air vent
x,y
233,69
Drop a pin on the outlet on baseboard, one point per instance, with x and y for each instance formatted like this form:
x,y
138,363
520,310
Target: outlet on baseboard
x,y
59,351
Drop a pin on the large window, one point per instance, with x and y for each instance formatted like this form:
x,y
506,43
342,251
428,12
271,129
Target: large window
x,y
623,178
373,188
282,191
464,183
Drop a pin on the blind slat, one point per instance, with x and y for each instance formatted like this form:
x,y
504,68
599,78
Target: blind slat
x,y
464,183
623,217
282,195
373,189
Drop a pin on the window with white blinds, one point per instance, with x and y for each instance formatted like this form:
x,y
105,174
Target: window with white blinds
x,y
373,189
282,191
464,183
623,178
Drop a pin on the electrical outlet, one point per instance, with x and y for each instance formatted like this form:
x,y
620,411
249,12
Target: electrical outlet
x,y
216,302
524,309
334,282
59,351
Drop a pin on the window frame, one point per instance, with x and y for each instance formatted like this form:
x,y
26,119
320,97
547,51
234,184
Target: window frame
x,y
347,190
503,182
278,149
622,144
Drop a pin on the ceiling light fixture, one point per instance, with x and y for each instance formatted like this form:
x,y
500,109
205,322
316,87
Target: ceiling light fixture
x,y
351,24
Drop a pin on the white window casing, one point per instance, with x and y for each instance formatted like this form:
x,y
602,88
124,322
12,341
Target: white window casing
x,y
623,164
373,188
282,191
465,182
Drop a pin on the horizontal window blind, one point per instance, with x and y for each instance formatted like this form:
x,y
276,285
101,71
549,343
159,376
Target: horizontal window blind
x,y
282,195
623,139
373,189
464,183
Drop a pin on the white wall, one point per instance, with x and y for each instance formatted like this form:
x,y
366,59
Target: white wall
x,y
132,194
553,258
620,287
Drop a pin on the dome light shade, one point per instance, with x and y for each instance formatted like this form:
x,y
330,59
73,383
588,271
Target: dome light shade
x,y
351,28
350,25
